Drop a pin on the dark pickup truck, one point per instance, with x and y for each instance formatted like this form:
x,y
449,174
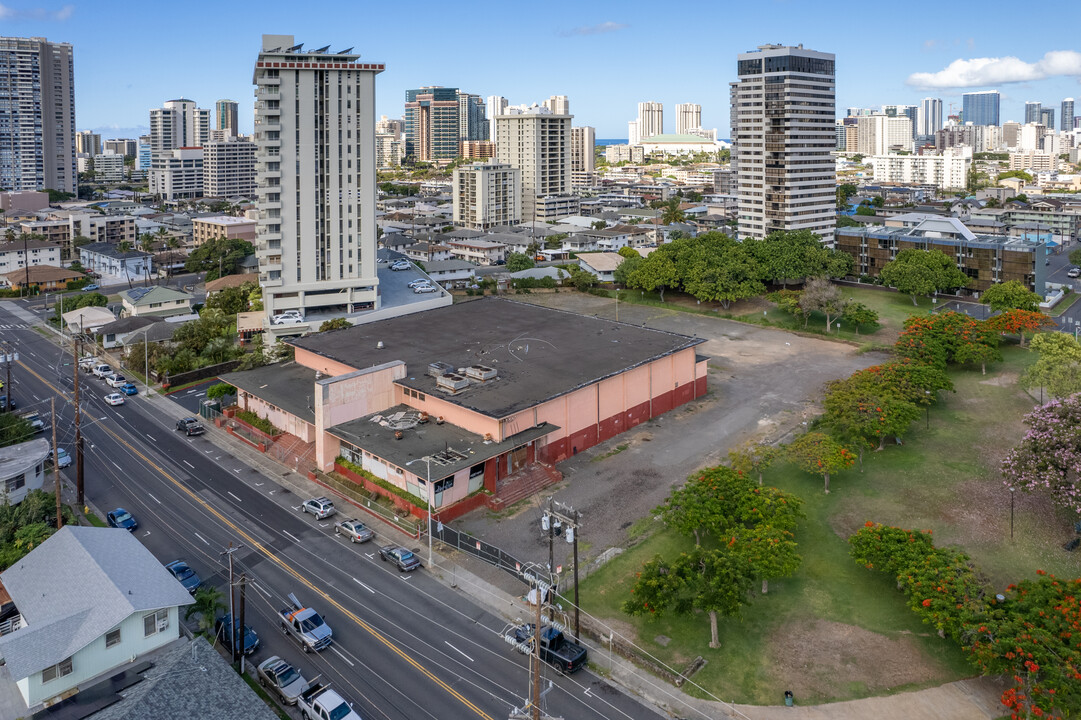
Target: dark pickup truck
x,y
556,650
190,426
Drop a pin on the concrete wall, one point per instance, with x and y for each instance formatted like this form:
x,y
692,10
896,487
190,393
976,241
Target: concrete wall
x,y
279,418
348,397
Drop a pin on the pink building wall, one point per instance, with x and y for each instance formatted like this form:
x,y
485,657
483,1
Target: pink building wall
x,y
350,396
279,418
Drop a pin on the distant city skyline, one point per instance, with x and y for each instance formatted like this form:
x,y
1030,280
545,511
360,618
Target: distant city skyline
x,y
117,85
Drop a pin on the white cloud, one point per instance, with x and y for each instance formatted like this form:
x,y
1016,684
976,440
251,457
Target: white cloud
x,y
604,27
9,13
979,72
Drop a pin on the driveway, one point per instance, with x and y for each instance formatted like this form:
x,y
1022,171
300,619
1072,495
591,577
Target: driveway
x,y
763,384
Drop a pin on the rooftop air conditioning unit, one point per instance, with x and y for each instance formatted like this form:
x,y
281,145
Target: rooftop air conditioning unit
x,y
451,382
480,372
437,369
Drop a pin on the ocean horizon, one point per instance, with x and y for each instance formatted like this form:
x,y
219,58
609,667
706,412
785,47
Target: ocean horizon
x,y
610,141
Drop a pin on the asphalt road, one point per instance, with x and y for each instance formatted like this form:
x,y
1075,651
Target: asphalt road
x,y
405,645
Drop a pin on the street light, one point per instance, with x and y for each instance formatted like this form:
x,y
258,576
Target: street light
x,y
927,407
428,480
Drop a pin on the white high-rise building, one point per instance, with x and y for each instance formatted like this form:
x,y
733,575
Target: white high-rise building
x,y
487,195
229,167
37,115
497,105
87,142
558,104
316,183
650,120
930,116
634,133
881,134
178,124
688,117
781,153
537,143
583,139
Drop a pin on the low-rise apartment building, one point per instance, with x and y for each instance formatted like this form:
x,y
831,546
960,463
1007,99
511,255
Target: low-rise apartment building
x,y
487,195
221,226
17,254
481,252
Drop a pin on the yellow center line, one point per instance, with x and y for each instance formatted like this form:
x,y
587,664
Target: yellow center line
x,y
253,543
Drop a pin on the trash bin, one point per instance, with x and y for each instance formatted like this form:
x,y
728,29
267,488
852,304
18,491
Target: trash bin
x,y
788,700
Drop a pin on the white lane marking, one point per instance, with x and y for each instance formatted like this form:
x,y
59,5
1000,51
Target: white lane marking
x,y
201,538
343,657
405,576
286,532
209,451
371,556
155,499
105,418
147,533
117,466
236,471
200,394
36,397
218,457
358,582
458,651
188,464
324,524
234,496
258,484
260,589
151,437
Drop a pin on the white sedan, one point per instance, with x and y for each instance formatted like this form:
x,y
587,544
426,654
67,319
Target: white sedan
x,y
116,381
425,289
114,399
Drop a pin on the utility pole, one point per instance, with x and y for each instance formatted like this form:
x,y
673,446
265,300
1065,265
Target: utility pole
x,y
560,515
79,497
56,467
243,587
8,359
232,609
536,656
533,575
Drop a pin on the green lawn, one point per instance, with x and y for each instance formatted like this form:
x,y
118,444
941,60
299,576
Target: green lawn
x,y
945,479
95,520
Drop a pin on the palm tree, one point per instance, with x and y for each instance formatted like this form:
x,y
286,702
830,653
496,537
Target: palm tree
x,y
671,212
208,603
146,240
123,246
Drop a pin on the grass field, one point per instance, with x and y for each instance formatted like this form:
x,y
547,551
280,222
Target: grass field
x,y
835,630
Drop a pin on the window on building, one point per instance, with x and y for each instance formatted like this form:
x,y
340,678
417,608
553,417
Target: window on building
x,y
112,638
476,470
16,483
155,622
59,670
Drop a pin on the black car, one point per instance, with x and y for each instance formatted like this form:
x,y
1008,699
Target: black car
x,y
187,577
405,560
190,426
121,518
6,404
221,630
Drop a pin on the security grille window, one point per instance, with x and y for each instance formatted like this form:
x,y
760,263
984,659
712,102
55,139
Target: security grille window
x,y
112,638
59,670
155,623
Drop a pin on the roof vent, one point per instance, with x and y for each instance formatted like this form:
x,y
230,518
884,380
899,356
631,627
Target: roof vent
x,y
481,373
451,382
379,345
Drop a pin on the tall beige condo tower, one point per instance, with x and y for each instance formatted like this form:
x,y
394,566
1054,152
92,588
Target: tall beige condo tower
x,y
650,119
582,155
782,141
538,144
37,115
558,104
315,178
688,117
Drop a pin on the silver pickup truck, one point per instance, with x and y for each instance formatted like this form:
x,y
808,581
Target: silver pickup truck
x,y
306,626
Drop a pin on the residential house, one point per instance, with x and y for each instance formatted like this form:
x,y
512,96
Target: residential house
x,y
113,334
107,259
87,319
426,252
46,277
155,300
481,252
601,264
22,468
451,273
89,600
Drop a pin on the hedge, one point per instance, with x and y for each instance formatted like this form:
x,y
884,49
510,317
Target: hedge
x,y
389,487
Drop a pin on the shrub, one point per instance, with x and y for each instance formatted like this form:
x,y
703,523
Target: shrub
x,y
257,422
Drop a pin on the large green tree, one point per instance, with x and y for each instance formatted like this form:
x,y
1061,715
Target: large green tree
x,y
922,272
656,272
516,262
784,257
719,269
820,295
1010,295
713,581
819,454
1058,368
218,257
232,300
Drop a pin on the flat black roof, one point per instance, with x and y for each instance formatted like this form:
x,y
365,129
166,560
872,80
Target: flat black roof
x,y
288,386
450,447
539,353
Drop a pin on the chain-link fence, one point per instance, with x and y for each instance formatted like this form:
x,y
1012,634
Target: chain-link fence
x,y
474,546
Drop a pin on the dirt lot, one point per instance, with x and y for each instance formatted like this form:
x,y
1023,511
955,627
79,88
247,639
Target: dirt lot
x,y
763,383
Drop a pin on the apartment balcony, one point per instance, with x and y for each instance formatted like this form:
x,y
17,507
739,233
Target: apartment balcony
x,y
268,93
268,81
265,281
267,125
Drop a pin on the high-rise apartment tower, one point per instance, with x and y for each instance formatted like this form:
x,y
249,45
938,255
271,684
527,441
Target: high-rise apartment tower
x,y
688,117
431,123
783,134
225,116
980,108
37,115
315,177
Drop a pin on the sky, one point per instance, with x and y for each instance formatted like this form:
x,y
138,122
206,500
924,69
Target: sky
x,y
605,56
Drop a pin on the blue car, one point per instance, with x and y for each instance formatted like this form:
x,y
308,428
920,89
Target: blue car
x,y
129,389
185,575
91,287
121,518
